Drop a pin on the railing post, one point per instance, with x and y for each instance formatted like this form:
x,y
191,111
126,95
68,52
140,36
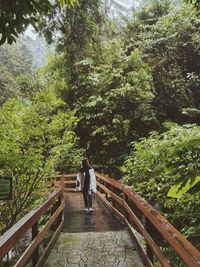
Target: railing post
x,y
106,194
149,251
101,182
35,256
53,210
125,198
113,201
60,201
62,182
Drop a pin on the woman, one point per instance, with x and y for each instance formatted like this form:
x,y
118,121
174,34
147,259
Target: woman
x,y
86,182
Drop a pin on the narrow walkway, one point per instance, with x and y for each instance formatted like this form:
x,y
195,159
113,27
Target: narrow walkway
x,y
77,220
92,240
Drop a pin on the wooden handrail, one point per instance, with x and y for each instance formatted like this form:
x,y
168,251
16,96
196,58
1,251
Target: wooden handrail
x,y
125,196
11,237
186,251
61,181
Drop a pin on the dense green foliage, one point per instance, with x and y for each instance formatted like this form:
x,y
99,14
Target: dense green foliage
x,y
36,141
130,86
135,81
12,64
15,16
122,81
159,162
17,67
115,103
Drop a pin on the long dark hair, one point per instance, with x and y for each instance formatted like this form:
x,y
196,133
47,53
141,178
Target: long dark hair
x,y
85,165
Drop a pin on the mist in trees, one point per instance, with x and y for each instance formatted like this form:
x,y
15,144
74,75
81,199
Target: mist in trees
x,y
130,85
125,83
12,64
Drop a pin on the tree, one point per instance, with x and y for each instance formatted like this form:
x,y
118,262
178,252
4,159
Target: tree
x,y
36,49
113,99
15,16
196,3
12,64
27,86
109,91
164,169
171,47
151,13
36,140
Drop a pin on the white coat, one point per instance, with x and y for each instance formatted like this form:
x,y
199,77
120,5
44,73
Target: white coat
x,y
81,179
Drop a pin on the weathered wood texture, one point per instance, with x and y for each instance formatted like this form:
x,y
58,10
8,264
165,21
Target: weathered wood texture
x,y
92,239
128,206
135,210
77,220
30,221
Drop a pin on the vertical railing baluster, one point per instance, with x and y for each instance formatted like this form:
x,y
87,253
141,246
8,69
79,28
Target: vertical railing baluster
x,y
35,256
60,201
100,189
125,198
62,182
102,182
113,201
106,194
149,251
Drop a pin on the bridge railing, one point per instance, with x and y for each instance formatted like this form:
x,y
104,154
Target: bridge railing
x,y
54,207
126,204
135,212
66,181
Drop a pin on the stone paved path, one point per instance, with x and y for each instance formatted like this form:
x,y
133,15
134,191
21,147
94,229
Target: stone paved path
x,y
94,249
92,240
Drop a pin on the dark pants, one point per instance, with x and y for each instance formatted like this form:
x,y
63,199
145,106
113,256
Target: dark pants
x,y
87,196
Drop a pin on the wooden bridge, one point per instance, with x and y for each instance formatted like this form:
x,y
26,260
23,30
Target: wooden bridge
x,y
124,230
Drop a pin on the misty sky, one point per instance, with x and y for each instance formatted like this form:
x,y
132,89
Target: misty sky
x,y
126,3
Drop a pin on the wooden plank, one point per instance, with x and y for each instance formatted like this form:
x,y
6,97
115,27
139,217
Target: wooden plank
x,y
124,220
119,216
188,253
76,220
35,243
10,238
141,251
70,182
50,245
69,189
148,238
113,195
35,256
62,182
70,175
110,181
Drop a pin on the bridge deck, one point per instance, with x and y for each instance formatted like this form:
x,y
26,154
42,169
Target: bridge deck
x,y
77,220
92,239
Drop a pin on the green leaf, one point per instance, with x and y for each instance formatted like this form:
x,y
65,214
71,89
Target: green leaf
x,y
177,191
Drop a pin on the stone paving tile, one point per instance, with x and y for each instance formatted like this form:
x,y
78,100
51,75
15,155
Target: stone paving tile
x,y
94,249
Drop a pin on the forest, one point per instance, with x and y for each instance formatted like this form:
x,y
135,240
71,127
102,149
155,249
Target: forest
x,y
118,84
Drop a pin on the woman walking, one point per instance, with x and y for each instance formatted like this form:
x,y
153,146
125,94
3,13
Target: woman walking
x,y
86,182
